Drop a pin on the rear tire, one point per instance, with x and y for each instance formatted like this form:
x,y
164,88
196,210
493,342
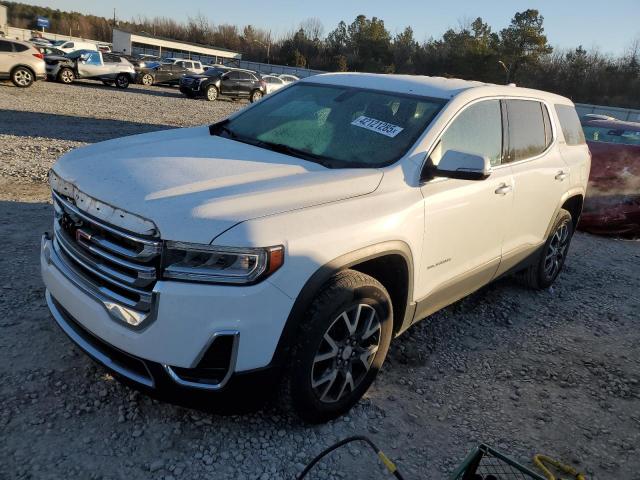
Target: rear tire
x,y
122,80
341,344
22,77
66,75
549,264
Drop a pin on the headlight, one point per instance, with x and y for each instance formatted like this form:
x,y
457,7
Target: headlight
x,y
209,263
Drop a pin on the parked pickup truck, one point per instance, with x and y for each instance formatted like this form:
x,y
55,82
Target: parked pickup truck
x,y
90,64
283,248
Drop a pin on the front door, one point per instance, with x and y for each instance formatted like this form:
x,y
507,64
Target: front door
x,y
465,220
229,83
90,65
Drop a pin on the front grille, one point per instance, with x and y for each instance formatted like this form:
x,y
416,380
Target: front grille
x,y
114,358
120,266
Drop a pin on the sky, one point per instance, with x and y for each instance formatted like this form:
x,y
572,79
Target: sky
x,y
609,26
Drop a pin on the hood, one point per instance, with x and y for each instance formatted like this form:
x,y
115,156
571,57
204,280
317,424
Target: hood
x,y
194,186
56,58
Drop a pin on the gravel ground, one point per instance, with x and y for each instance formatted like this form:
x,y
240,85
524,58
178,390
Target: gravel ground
x,y
556,371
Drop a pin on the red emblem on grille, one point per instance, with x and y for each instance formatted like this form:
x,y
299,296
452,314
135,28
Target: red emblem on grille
x,y
82,235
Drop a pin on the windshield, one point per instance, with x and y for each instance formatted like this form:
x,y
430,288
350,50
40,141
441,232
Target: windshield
x,y
212,72
336,126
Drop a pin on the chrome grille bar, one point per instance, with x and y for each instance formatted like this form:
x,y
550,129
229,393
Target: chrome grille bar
x,y
119,267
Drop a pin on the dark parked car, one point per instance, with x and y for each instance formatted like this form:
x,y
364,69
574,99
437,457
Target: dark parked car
x,y
612,204
228,82
161,73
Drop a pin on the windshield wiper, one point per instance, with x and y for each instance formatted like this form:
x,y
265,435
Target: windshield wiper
x,y
216,128
296,152
219,127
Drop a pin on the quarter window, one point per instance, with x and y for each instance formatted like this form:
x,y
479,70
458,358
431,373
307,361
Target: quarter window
x,y
477,130
570,124
527,134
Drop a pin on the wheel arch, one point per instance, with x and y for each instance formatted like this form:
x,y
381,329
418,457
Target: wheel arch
x,y
383,261
573,205
19,65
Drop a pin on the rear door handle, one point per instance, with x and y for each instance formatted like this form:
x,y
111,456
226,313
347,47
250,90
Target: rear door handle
x,y
561,176
503,189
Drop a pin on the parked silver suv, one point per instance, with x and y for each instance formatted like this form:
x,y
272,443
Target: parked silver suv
x,y
21,63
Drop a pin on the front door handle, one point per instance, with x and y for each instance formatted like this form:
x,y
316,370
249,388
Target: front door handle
x,y
503,189
561,176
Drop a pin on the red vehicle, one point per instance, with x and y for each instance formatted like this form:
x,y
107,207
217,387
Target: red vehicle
x,y
612,205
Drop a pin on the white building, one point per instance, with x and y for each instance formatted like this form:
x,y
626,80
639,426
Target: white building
x,y
3,20
143,43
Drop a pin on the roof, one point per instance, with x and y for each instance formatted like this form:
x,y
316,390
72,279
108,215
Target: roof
x,y
613,124
193,44
434,87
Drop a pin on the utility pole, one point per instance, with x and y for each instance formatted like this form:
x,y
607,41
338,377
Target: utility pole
x,y
114,17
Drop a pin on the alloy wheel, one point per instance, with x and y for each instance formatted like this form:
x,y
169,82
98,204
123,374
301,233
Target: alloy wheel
x,y
67,76
256,96
23,78
555,254
147,80
212,93
346,353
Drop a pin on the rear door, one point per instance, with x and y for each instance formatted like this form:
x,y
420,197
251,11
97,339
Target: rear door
x,y
245,83
540,177
7,58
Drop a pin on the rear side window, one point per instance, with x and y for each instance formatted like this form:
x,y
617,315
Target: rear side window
x,y
526,125
570,124
68,45
20,48
476,130
5,46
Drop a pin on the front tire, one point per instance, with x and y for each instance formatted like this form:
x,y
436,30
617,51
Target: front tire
x,y
341,345
549,264
211,93
147,80
255,96
122,80
66,75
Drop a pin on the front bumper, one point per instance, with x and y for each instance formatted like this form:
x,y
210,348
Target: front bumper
x,y
188,318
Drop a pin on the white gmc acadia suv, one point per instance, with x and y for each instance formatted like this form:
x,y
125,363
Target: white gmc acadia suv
x,y
283,248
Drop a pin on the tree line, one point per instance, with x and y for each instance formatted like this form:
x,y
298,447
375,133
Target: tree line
x,y
518,53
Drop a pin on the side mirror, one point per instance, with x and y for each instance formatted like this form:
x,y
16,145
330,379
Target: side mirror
x,y
461,165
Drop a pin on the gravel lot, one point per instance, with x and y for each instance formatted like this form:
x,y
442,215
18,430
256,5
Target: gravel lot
x,y
556,372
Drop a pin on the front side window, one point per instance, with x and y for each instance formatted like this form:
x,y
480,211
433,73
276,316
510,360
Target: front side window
x,y
527,136
477,130
336,126
570,124
68,45
92,58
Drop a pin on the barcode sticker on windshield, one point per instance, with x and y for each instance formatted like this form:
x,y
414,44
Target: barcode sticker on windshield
x,y
378,126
